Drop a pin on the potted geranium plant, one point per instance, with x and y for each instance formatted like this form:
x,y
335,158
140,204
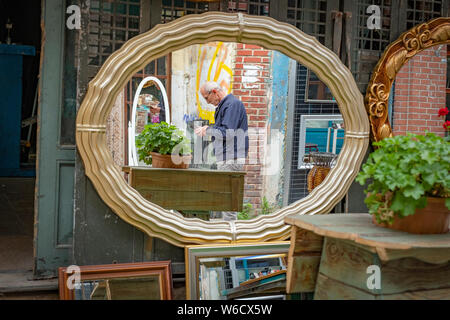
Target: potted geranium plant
x,y
409,183
163,145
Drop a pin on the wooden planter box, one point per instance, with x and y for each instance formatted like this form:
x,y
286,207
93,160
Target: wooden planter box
x,y
189,189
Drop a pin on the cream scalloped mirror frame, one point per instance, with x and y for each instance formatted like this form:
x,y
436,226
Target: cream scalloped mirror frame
x,y
156,221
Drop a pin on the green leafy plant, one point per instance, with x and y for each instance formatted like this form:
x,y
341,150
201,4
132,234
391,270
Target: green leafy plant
x,y
245,213
161,138
403,171
266,208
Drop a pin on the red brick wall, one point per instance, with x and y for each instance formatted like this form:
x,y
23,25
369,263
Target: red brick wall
x,y
250,84
420,93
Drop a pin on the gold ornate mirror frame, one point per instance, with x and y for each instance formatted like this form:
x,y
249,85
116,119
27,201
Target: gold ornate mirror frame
x,y
397,54
195,29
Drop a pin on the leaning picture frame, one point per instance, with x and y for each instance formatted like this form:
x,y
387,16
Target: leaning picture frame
x,y
121,281
194,253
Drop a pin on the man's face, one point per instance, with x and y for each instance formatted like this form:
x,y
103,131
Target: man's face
x,y
212,97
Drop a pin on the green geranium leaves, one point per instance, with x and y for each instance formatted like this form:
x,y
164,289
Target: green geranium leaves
x,y
161,138
403,172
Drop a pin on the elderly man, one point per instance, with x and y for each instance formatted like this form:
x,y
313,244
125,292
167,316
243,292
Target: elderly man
x,y
229,132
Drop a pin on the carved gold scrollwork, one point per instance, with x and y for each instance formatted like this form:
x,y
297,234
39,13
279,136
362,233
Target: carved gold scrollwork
x,y
378,100
417,39
423,36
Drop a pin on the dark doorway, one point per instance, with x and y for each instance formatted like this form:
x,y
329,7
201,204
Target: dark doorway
x,y
20,39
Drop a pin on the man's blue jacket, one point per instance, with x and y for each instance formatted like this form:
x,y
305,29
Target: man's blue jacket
x,y
230,129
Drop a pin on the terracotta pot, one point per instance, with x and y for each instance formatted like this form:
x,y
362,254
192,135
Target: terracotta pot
x,y
165,161
433,219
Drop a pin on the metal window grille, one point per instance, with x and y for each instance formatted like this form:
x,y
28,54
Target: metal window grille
x,y
298,188
369,44
309,16
173,9
419,11
111,23
373,39
259,8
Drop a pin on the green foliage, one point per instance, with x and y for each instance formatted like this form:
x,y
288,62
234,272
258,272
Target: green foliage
x,y
161,138
266,208
245,213
403,171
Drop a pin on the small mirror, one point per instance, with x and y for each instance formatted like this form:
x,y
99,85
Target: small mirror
x,y
147,288
320,134
316,90
150,105
120,281
225,278
241,271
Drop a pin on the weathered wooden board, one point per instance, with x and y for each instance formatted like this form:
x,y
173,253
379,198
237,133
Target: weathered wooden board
x,y
359,228
347,263
329,289
189,200
189,189
303,261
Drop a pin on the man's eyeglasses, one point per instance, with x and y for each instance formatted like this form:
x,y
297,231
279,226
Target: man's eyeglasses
x,y
207,96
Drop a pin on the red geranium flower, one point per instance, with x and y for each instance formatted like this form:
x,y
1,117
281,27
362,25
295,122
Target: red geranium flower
x,y
446,125
443,112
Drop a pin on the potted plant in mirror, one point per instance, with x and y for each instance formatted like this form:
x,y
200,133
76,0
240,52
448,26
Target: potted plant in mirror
x,y
163,145
409,183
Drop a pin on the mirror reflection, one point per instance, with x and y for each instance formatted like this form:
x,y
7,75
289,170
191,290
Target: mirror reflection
x,y
139,288
168,98
224,278
317,91
419,97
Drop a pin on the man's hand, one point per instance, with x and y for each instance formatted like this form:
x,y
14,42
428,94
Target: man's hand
x,y
201,131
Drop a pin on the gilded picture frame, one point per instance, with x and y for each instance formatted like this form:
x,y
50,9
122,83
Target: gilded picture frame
x,y
395,56
172,227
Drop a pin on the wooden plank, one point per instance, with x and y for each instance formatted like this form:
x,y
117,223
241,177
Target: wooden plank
x,y
302,272
237,184
430,255
305,241
439,294
190,189
183,180
360,229
303,261
181,200
347,263
329,289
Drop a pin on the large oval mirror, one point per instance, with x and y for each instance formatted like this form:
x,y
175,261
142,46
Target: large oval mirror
x,y
266,82
409,84
155,220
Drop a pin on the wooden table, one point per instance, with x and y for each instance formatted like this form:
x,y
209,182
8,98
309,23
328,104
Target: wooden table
x,y
334,256
189,189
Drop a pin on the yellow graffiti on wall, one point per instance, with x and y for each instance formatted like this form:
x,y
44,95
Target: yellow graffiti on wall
x,y
221,53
